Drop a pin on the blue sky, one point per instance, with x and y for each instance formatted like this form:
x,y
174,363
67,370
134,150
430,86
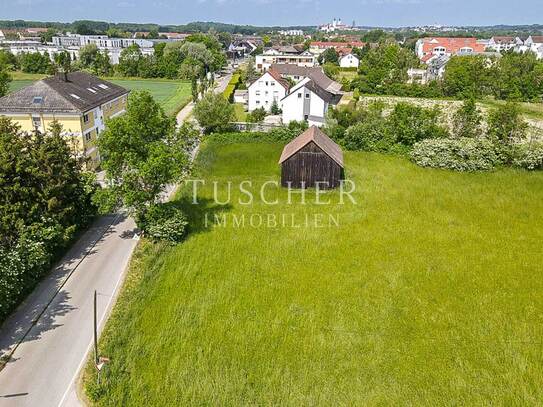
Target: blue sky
x,y
280,12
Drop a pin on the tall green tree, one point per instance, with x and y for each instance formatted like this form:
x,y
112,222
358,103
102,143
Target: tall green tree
x,y
214,113
142,152
129,61
506,124
467,77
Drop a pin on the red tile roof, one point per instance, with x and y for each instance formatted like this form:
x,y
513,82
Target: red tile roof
x,y
451,45
277,76
330,44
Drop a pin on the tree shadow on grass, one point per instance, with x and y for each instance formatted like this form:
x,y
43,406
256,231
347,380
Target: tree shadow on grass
x,y
201,214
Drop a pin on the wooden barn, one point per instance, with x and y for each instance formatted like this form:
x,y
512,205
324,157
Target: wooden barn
x,y
310,158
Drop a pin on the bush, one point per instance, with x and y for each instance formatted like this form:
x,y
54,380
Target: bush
x,y
529,156
214,113
257,115
371,134
462,154
165,222
409,124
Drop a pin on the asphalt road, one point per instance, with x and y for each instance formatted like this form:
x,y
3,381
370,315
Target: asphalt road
x,y
49,337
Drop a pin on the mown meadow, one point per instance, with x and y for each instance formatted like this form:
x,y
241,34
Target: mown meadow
x,y
427,293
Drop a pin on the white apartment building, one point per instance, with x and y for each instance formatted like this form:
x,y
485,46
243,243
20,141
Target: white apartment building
x,y
502,44
265,90
274,56
534,43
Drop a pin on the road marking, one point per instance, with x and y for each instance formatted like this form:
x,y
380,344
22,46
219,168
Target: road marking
x,y
85,356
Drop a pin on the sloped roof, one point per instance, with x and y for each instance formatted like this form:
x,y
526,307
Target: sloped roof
x,y
451,44
313,134
277,76
80,93
314,73
328,97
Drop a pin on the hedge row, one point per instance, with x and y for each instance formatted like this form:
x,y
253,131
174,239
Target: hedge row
x,y
231,87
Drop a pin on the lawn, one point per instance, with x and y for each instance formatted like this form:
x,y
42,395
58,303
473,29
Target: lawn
x,y
427,293
241,114
172,95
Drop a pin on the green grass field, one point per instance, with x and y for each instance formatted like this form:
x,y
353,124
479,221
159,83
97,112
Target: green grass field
x,y
172,95
241,114
428,293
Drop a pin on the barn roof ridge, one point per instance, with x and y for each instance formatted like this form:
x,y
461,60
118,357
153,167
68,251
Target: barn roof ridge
x,y
316,135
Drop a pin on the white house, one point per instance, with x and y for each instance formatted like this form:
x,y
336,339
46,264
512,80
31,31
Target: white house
x,y
265,90
534,43
500,44
284,55
349,61
307,101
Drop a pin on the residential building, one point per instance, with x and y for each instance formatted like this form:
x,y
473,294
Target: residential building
x,y
416,75
430,48
318,47
291,32
284,55
269,88
335,25
349,61
308,101
113,46
79,101
502,44
298,73
534,43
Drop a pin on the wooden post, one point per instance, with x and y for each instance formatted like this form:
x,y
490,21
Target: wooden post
x,y
95,333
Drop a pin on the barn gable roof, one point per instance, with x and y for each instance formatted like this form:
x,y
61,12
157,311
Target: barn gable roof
x,y
313,134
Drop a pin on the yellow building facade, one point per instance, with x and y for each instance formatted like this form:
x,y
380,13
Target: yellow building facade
x,y
80,102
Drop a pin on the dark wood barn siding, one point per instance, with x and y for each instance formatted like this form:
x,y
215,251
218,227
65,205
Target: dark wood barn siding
x,y
310,165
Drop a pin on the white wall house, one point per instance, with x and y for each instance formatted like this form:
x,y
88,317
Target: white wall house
x,y
272,56
265,90
307,101
349,61
501,44
534,43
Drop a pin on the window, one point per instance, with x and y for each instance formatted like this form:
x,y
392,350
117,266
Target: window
x,y
266,93
86,118
88,136
299,95
257,93
307,95
258,102
74,96
36,121
266,83
91,90
260,82
272,83
103,86
37,100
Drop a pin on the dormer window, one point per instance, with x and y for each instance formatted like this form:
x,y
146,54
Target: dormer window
x,y
103,86
38,100
74,96
91,90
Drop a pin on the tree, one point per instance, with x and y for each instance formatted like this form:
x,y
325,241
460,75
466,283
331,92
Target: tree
x,y
257,115
519,76
410,123
505,124
8,61
129,61
467,120
63,61
384,66
330,55
275,109
35,62
467,77
213,113
375,36
142,153
5,79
